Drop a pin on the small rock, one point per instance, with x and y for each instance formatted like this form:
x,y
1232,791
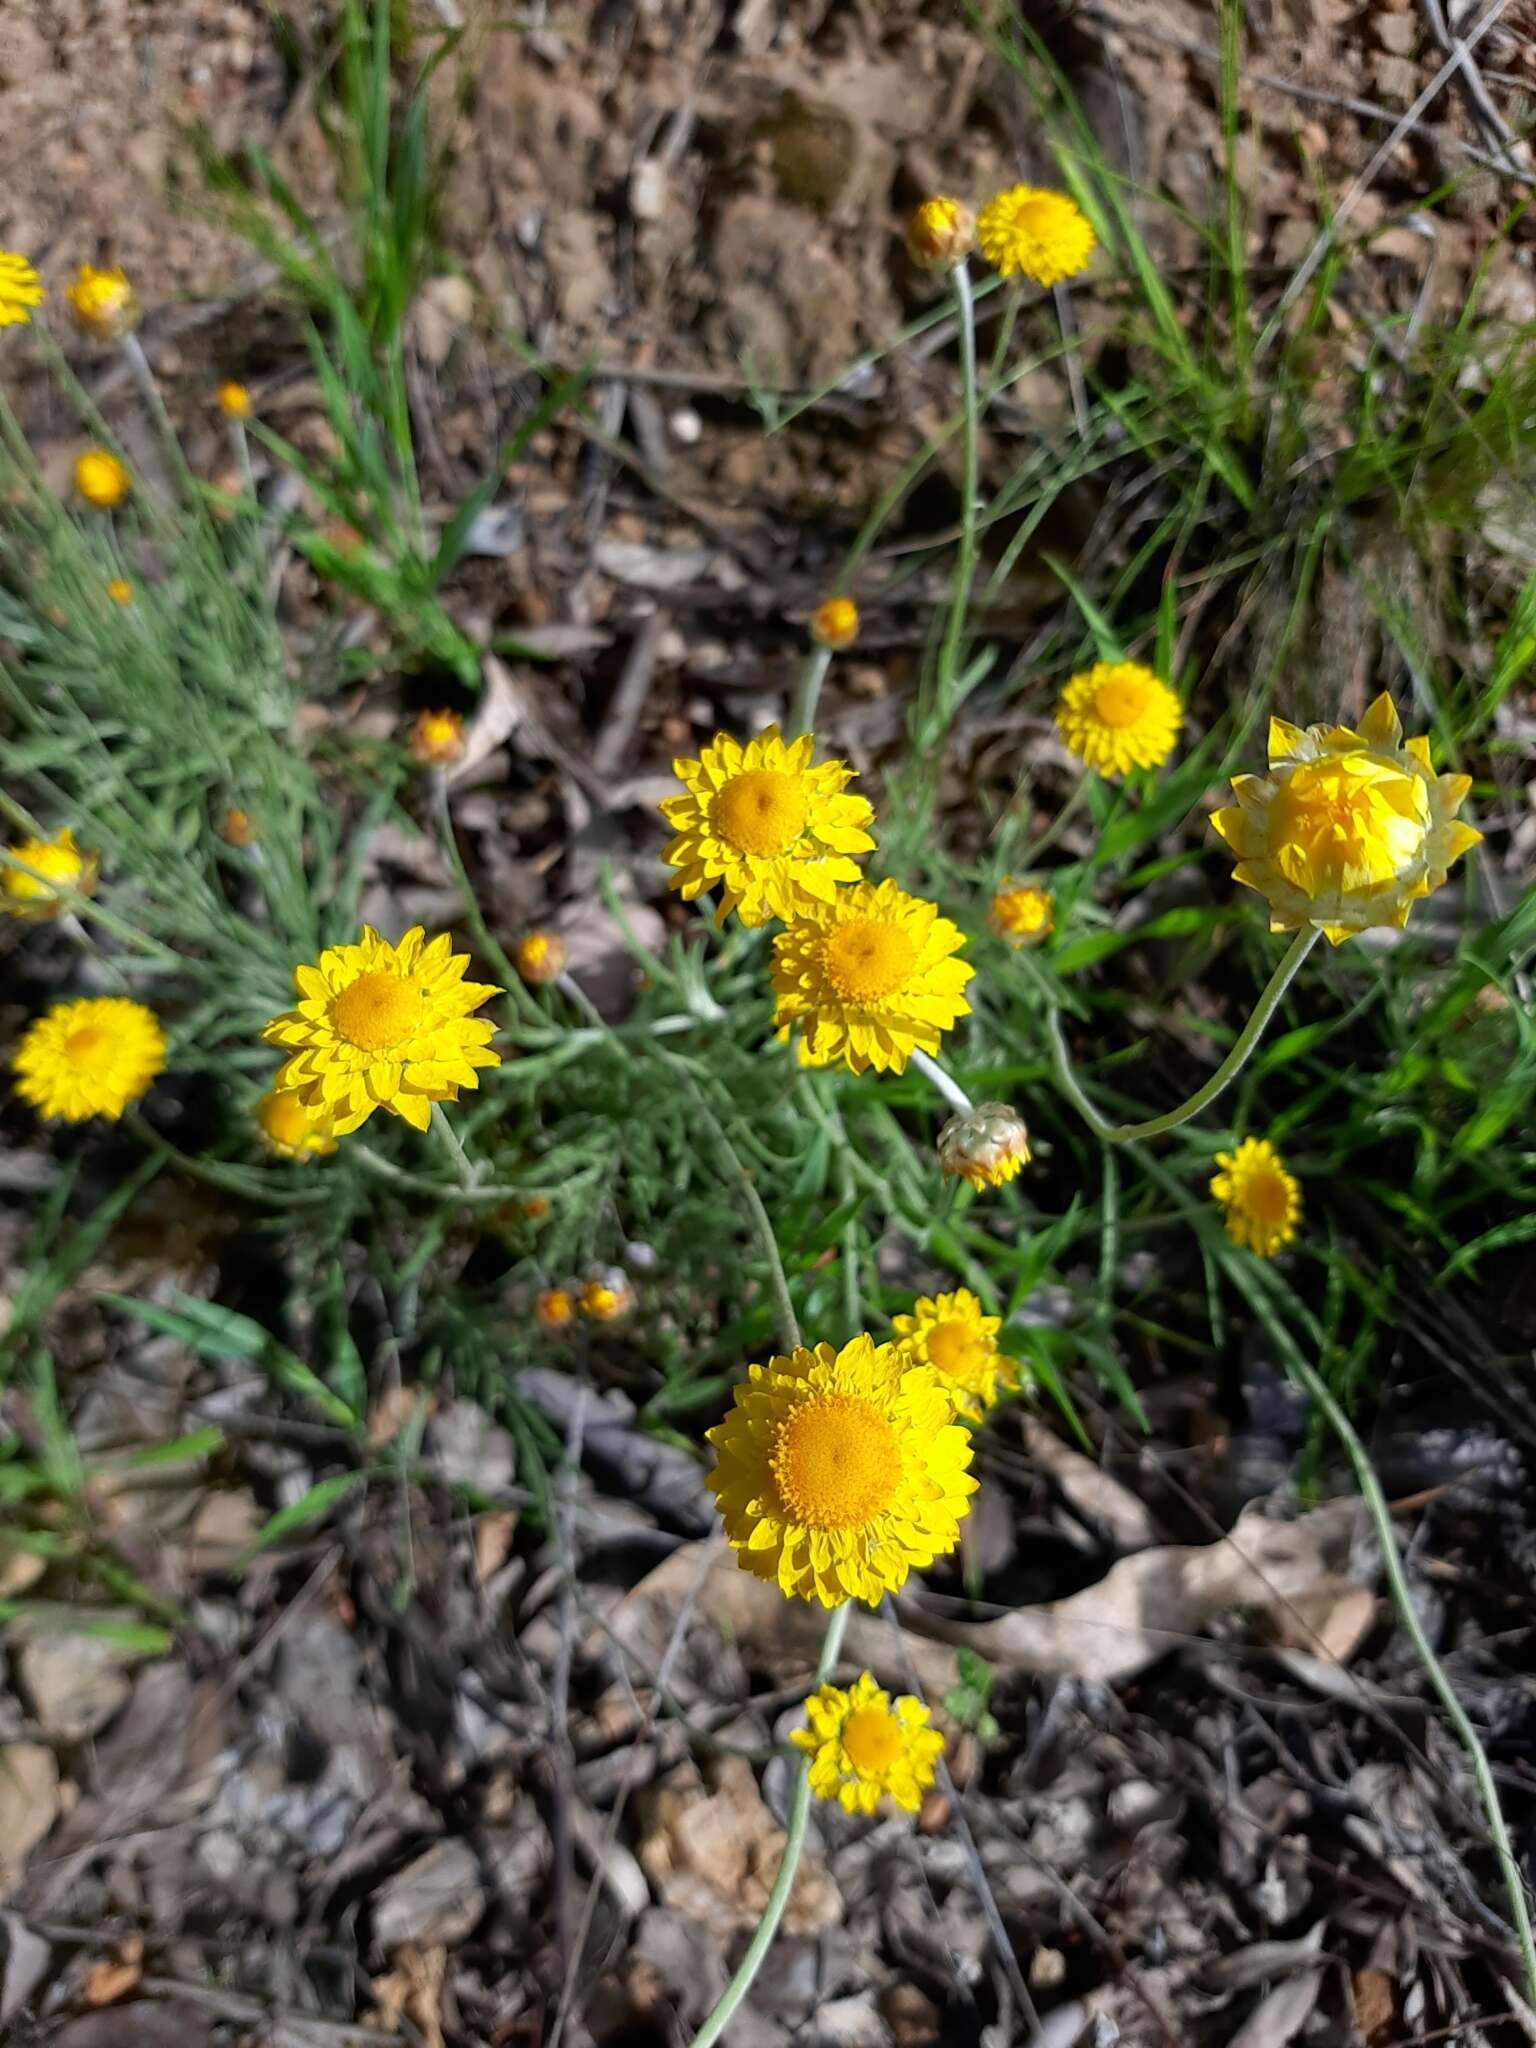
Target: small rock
x,y
434,1902
468,1449
76,1683
1396,32
1397,81
24,1960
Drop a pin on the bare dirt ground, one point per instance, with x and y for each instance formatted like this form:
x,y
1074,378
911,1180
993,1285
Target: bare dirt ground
x,y
409,1778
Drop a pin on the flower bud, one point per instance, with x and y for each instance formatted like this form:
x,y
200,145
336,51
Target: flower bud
x,y
835,624
986,1145
940,234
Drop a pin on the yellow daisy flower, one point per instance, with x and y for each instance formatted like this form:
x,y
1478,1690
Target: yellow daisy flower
x,y
1021,913
89,1058
940,233
290,1129
59,867
838,1472
950,1333
864,1746
20,289
540,957
775,832
606,1300
1044,236
1262,1200
384,1027
234,401
1118,716
101,479
554,1308
869,978
1348,829
238,828
986,1145
835,624
120,590
103,302
437,738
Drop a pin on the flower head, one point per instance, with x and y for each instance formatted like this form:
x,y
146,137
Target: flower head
x,y
865,1746
234,401
290,1128
20,289
1118,716
869,978
554,1308
950,1333
237,827
1262,1200
384,1027
120,590
1021,913
104,303
540,957
89,1058
58,867
101,479
1348,829
437,738
608,1299
775,832
835,624
986,1145
940,233
1044,236
837,1472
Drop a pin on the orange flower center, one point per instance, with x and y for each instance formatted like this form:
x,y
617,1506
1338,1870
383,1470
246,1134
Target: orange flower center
x,y
866,960
378,1012
836,1462
872,1739
1352,822
952,1348
761,812
87,1044
1265,1195
1120,701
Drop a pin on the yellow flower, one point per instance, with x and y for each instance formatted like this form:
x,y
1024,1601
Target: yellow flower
x,y
1021,913
986,1145
234,401
89,1058
1044,236
437,738
869,978
101,479
606,1300
554,1308
540,957
1118,716
291,1129
103,301
940,233
59,866
865,1746
1348,829
20,289
835,624
237,827
120,590
837,1472
950,1333
1262,1200
384,1027
773,831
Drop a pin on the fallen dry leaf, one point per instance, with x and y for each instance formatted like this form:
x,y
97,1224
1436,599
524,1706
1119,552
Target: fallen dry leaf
x,y
113,1977
29,1805
714,1852
413,1990
1331,1621
1092,1492
1375,2007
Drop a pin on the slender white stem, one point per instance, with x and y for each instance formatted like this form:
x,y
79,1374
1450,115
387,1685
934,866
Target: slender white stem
x,y
946,1084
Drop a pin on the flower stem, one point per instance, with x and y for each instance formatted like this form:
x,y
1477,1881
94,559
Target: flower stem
x,y
1053,831
965,559
1242,1050
789,1862
946,1084
810,690
468,1173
